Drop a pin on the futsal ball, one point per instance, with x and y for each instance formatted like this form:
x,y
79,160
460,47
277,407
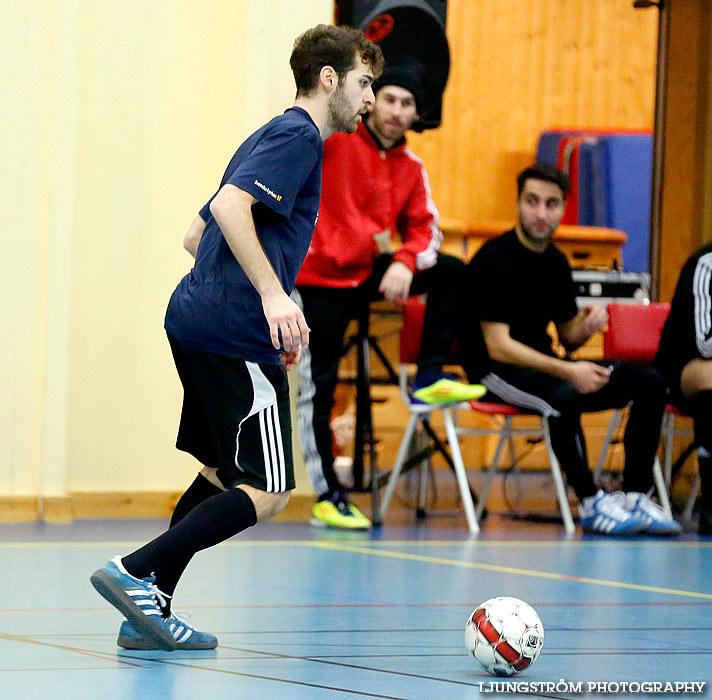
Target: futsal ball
x,y
505,635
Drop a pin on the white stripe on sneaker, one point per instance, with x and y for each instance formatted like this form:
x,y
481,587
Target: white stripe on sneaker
x,y
184,636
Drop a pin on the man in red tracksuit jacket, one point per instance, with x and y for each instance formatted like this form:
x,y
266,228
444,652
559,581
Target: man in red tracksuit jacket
x,y
377,236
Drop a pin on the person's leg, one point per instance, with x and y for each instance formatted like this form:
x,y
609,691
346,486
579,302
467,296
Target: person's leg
x,y
327,313
644,389
555,399
194,435
203,487
260,467
263,455
702,415
696,387
213,521
195,494
560,402
200,490
247,409
442,284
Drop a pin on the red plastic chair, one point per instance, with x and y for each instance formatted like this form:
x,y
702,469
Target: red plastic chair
x,y
633,335
410,337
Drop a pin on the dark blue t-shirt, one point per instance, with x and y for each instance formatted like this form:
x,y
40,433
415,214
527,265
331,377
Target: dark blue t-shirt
x,y
215,307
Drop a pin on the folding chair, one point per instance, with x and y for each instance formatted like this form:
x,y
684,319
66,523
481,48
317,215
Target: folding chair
x,y
633,335
421,413
668,433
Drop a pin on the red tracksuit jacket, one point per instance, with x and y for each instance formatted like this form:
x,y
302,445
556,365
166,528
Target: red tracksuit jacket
x,y
369,196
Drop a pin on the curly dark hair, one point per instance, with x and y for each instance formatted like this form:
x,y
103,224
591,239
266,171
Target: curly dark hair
x,y
326,45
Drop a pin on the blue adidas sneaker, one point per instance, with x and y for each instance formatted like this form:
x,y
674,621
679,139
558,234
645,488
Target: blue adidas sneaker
x,y
606,514
187,637
658,521
137,599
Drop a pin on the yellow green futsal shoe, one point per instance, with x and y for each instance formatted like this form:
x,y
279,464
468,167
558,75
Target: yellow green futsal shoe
x,y
341,514
449,391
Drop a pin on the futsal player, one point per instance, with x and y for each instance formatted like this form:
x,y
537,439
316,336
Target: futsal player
x,y
234,330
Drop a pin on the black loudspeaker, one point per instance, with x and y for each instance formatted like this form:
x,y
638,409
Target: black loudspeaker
x,y
412,29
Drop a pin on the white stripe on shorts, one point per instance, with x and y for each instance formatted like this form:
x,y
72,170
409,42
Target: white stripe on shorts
x,y
264,403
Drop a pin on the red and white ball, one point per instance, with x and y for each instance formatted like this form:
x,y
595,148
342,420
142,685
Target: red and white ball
x,y
505,635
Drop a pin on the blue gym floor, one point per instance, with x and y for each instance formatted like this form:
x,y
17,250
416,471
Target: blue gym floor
x,y
307,613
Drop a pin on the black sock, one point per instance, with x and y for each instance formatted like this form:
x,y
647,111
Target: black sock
x,y
214,520
702,411
195,494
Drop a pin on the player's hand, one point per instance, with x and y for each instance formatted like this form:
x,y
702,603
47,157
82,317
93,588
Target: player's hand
x,y
285,318
595,318
588,377
395,285
291,359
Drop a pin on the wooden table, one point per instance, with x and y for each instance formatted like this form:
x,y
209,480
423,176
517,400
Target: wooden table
x,y
590,247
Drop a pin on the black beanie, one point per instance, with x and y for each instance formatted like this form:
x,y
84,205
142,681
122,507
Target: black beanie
x,y
405,75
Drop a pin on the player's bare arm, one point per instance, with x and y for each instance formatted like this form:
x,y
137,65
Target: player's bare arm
x,y
195,233
231,208
587,377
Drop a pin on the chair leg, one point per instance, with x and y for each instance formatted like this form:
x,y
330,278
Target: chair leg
x,y
505,438
400,460
423,476
558,480
512,452
668,434
690,504
661,487
606,446
462,482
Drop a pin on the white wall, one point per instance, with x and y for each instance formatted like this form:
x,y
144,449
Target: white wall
x,y
118,121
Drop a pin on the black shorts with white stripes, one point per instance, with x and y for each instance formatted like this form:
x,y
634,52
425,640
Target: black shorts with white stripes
x,y
235,418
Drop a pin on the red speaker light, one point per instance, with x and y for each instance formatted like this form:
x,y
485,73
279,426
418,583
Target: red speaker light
x,y
379,28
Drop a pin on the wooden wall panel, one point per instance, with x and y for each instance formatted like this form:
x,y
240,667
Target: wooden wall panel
x,y
686,219
521,67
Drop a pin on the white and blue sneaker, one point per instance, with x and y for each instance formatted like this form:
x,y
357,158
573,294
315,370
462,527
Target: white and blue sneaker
x,y
138,600
187,637
658,521
606,514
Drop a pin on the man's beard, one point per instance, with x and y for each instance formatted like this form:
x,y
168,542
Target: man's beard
x,y
538,240
341,115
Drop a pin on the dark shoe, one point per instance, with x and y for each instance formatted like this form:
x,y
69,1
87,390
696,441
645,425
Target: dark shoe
x,y
705,525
